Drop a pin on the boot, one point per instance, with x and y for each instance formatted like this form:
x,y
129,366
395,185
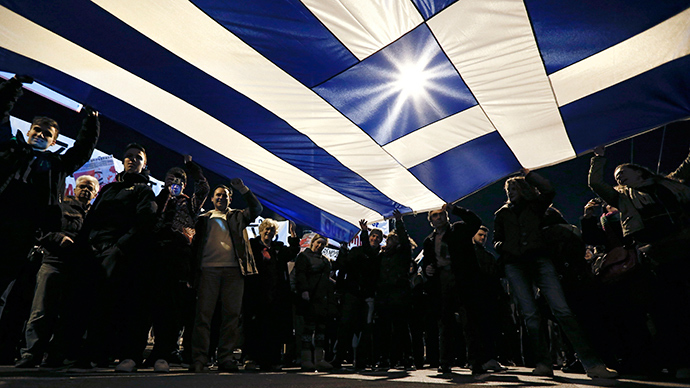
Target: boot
x,y
306,363
321,364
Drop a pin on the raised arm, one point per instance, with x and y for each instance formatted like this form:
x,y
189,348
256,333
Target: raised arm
x,y
596,181
254,206
85,143
292,250
682,173
403,238
546,190
10,91
472,221
201,187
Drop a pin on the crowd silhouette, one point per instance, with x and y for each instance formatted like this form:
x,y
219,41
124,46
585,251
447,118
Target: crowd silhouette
x,y
92,280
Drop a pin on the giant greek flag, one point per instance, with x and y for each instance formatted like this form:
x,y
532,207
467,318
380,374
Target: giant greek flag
x,y
334,111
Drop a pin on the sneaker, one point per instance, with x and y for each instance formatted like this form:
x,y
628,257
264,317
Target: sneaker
x,y
250,366
81,363
126,366
307,366
493,366
229,367
444,369
323,366
53,363
574,367
543,370
197,367
382,366
480,375
161,366
601,372
27,361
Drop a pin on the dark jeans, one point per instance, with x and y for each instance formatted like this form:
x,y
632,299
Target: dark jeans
x,y
449,329
392,326
267,327
226,283
50,283
170,298
671,313
19,295
119,324
352,322
540,272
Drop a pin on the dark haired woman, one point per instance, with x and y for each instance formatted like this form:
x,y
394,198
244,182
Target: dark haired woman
x,y
394,297
655,212
314,285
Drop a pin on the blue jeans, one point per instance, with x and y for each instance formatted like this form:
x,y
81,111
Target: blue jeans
x,y
44,309
540,272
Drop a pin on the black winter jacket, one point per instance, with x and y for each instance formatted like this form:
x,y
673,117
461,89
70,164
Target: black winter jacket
x,y
33,177
124,213
517,227
72,217
357,269
393,287
460,245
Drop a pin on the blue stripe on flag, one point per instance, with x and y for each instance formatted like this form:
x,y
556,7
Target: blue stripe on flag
x,y
274,197
569,31
405,86
286,33
429,8
641,103
118,43
468,167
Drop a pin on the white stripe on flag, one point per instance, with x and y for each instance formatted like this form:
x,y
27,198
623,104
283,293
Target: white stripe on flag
x,y
33,41
492,45
187,32
660,44
436,138
366,26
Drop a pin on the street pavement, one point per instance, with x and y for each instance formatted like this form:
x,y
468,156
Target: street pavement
x,y
178,377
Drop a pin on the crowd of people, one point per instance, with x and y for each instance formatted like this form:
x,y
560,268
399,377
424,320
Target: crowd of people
x,y
86,279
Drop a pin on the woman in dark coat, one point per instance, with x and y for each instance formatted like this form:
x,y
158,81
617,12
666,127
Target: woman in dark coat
x,y
393,298
267,298
314,285
655,212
